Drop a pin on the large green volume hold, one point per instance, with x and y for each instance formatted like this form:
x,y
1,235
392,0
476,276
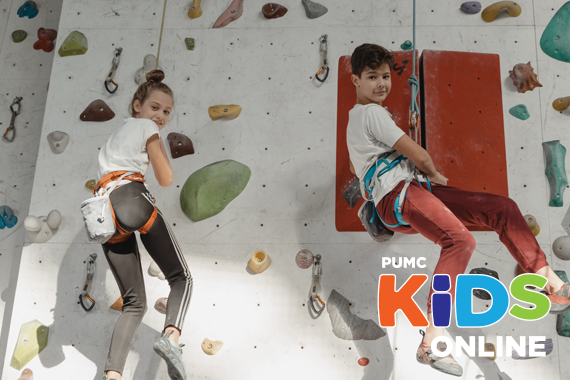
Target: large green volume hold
x,y
555,170
209,190
33,338
74,44
555,40
563,320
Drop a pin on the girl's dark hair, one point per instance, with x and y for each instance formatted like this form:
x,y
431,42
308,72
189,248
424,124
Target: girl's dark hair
x,y
153,83
371,56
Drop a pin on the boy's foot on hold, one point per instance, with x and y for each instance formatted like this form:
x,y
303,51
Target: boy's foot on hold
x,y
446,364
172,355
560,301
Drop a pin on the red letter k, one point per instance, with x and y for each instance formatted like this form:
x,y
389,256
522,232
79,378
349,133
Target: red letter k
x,y
391,300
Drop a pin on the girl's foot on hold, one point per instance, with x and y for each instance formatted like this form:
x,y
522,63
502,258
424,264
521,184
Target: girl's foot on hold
x,y
446,364
560,301
172,355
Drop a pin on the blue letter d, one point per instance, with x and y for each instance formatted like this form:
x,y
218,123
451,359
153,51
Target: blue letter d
x,y
464,314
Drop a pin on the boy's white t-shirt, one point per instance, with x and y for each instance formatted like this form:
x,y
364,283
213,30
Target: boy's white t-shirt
x,y
370,133
125,149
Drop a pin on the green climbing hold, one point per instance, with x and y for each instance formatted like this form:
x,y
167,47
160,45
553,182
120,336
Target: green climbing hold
x,y
407,45
563,320
520,112
189,43
74,44
555,170
555,40
209,190
19,35
33,338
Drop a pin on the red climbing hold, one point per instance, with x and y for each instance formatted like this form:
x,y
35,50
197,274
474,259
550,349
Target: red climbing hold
x,y
45,40
363,361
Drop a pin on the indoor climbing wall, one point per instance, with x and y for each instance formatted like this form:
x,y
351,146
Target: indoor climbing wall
x,y
284,142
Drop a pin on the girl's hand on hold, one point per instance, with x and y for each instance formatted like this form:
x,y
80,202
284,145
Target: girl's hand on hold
x,y
439,179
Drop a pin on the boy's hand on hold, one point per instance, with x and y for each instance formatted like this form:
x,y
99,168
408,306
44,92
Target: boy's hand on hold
x,y
438,178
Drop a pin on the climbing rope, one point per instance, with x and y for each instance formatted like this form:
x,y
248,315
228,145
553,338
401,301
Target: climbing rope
x,y
414,116
160,38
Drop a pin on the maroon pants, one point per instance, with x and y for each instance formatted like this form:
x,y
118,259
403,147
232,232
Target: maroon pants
x,y
441,216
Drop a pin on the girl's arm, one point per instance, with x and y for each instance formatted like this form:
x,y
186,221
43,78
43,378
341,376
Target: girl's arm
x,y
420,158
159,160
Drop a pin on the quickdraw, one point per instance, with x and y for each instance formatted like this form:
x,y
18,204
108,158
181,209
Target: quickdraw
x,y
15,112
111,75
87,284
316,288
325,65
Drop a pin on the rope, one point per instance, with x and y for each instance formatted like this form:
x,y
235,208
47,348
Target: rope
x,y
414,84
162,27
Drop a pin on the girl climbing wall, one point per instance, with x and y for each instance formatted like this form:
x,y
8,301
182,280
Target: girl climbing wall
x,y
130,149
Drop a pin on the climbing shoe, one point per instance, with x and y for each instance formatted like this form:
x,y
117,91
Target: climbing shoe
x,y
172,355
560,301
446,364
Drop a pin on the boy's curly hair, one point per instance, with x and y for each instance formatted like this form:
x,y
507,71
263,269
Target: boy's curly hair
x,y
371,56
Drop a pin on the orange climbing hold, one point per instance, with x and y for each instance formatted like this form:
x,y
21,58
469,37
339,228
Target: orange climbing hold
x,y
363,361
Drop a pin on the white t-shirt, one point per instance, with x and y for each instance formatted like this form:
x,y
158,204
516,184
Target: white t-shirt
x,y
370,133
125,149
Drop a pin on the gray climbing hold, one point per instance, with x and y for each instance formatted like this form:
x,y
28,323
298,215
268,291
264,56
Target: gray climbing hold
x,y
352,194
314,10
548,346
561,247
58,141
520,112
471,7
348,326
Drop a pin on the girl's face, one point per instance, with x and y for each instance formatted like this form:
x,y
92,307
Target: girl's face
x,y
157,107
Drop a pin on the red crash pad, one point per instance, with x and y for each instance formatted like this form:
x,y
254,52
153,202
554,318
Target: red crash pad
x,y
462,116
397,102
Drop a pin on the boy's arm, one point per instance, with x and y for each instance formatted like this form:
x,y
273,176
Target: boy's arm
x,y
419,157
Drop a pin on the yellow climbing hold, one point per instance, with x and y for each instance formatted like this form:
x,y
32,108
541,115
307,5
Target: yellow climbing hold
x,y
230,111
211,347
259,262
532,224
561,104
491,12
33,338
195,10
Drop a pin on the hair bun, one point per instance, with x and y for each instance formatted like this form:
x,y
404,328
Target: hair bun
x,y
155,76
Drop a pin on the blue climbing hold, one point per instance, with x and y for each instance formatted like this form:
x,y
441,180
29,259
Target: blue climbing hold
x,y
7,217
29,9
520,112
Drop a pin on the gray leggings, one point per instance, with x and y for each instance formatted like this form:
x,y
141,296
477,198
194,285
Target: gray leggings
x,y
133,207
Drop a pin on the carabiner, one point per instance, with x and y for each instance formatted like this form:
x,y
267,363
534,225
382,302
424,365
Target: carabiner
x,y
87,284
413,123
111,75
316,287
15,112
325,65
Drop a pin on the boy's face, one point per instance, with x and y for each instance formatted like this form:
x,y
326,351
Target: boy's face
x,y
373,86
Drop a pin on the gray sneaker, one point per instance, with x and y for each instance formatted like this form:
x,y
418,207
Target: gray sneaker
x,y
172,355
446,364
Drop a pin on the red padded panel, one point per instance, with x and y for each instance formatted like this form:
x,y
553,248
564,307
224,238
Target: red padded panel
x,y
398,103
463,119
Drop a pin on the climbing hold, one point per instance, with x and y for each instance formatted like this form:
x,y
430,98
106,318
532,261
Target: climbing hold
x,y
561,247
230,111
211,347
363,361
259,262
41,229
233,12
490,347
118,305
480,293
520,112
98,110
471,7
74,44
348,326
491,12
189,43
19,35
180,145
563,319
33,338
407,45
555,40
7,217
532,224
524,78
149,64
314,10
377,230
160,305
273,10
304,259
46,38
548,346
195,10
58,141
555,171
91,184
29,9
352,194
561,104
209,190
27,374
154,271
